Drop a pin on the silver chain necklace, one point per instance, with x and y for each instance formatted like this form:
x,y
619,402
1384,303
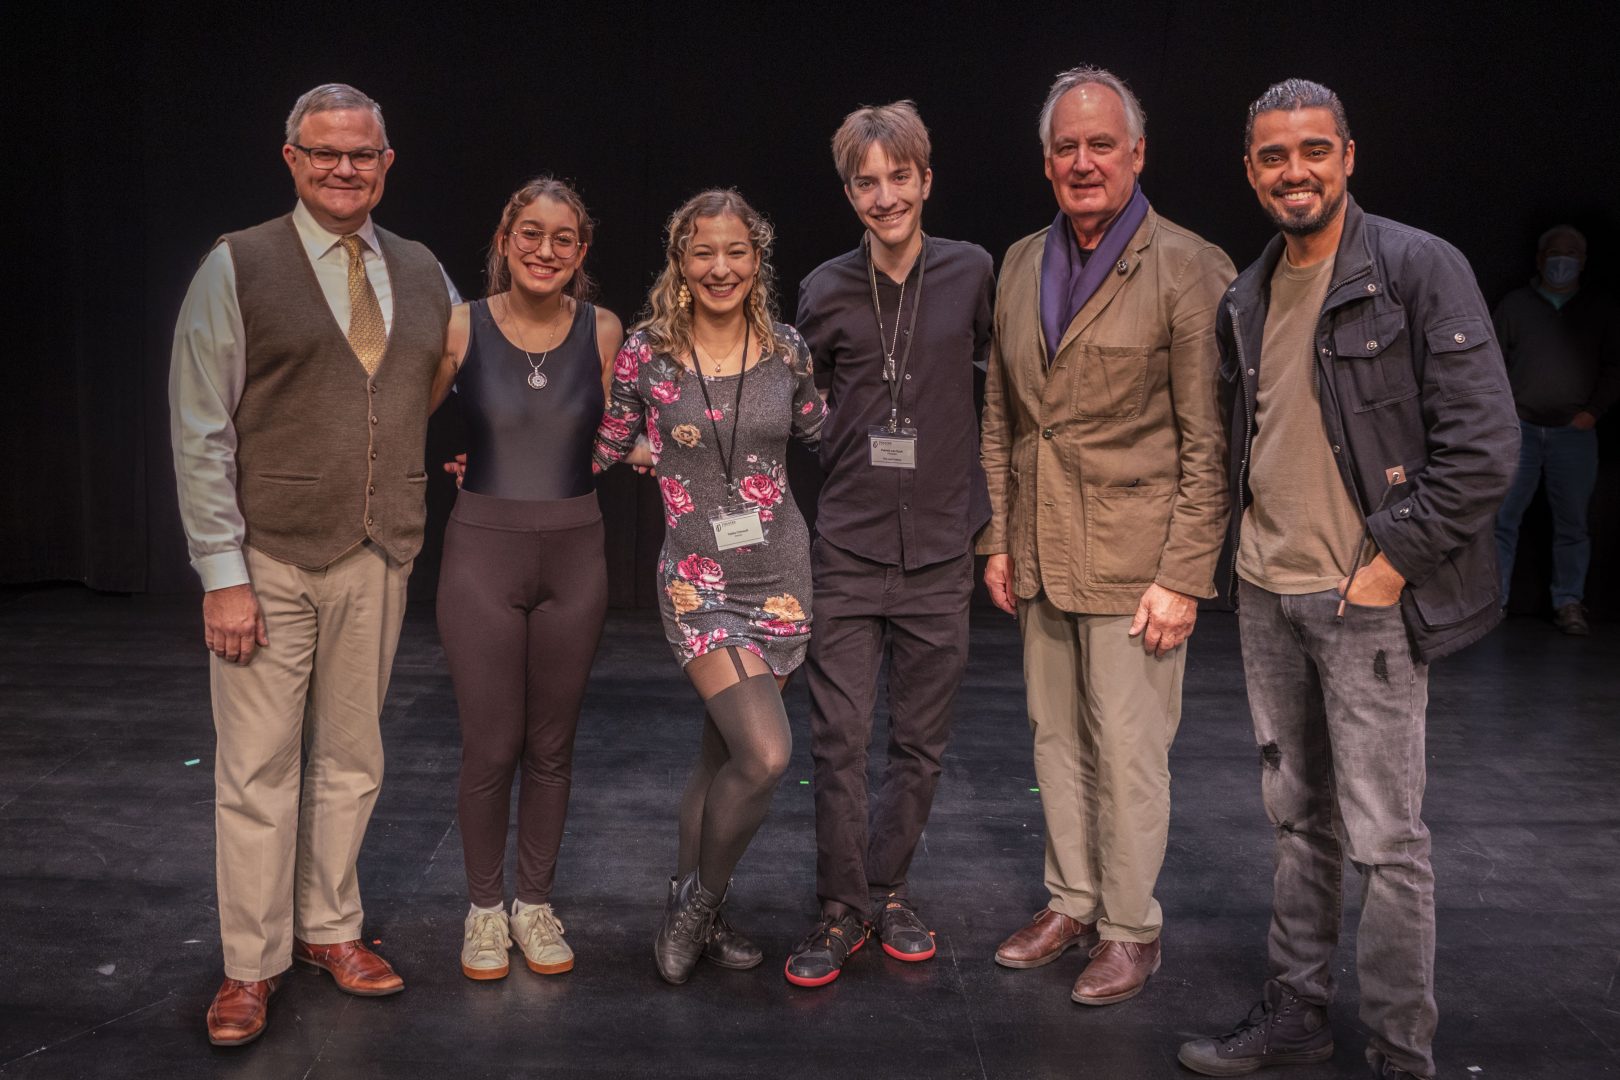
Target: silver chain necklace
x,y
894,339
537,379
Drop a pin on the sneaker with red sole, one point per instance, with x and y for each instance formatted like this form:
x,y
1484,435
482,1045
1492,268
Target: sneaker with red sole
x,y
817,960
902,932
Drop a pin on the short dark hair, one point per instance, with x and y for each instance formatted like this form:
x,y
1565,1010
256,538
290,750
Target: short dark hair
x,y
1291,94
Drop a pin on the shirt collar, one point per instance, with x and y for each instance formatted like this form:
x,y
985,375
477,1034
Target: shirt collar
x,y
319,240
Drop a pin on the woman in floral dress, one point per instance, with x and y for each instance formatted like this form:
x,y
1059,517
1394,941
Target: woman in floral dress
x,y
718,386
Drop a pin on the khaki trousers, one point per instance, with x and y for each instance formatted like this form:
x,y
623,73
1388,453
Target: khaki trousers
x,y
1103,712
299,760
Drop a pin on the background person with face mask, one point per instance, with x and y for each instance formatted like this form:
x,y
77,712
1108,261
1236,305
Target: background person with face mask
x,y
1562,346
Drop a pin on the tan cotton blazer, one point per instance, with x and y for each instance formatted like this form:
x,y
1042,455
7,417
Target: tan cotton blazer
x,y
1108,471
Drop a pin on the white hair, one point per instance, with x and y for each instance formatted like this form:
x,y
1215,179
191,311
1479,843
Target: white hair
x,y
1086,75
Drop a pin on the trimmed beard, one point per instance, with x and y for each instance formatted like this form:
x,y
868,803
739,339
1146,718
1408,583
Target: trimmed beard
x,y
1318,221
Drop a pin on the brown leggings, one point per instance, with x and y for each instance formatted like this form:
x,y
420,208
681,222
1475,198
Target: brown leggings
x,y
522,595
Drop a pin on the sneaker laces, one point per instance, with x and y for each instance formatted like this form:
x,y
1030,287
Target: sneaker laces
x,y
489,933
542,927
1258,1017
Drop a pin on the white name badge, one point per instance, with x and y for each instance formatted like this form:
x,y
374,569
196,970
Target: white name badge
x,y
893,448
736,527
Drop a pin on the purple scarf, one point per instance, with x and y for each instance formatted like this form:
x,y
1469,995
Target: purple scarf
x,y
1065,284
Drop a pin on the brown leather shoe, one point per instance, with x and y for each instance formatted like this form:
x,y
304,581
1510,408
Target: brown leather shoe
x,y
1118,970
356,969
237,1014
1044,939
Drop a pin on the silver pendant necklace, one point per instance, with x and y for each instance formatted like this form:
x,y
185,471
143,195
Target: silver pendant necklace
x,y
537,379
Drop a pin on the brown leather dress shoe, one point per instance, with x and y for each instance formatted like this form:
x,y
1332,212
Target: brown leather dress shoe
x,y
356,969
1118,970
237,1014
1044,939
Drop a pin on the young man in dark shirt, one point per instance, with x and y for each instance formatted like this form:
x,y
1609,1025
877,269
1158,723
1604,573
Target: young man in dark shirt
x,y
897,327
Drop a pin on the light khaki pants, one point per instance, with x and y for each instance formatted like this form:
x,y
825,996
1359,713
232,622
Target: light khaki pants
x,y
1103,712
299,759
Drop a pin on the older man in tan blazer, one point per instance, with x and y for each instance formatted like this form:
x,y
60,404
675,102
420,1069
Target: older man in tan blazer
x,y
1106,456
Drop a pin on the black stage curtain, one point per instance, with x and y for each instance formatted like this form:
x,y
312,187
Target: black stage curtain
x,y
139,136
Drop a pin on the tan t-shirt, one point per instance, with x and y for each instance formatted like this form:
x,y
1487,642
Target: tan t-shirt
x,y
1302,533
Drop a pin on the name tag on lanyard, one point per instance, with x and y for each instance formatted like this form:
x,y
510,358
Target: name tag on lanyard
x,y
737,526
893,448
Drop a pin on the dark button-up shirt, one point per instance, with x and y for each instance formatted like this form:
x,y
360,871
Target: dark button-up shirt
x,y
902,517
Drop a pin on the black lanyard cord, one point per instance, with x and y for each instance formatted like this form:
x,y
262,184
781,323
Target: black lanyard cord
x,y
727,458
895,378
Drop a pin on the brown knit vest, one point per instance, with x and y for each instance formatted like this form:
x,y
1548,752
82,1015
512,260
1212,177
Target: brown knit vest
x,y
327,456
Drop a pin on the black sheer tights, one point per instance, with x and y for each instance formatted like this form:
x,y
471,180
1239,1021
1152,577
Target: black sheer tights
x,y
746,743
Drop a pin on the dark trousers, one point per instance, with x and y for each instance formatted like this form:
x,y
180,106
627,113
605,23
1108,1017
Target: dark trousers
x,y
1339,709
522,595
918,619
1568,459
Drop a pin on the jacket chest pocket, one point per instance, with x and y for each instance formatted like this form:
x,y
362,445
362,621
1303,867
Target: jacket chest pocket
x,y
1108,382
1372,356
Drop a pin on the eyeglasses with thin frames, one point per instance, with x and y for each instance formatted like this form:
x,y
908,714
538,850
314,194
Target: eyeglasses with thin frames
x,y
325,158
528,241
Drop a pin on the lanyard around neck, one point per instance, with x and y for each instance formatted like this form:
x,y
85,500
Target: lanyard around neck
x,y
727,458
894,377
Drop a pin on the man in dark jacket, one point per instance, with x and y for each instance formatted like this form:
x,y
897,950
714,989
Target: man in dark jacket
x,y
1562,346
1373,436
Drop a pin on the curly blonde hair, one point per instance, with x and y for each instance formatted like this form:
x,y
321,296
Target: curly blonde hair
x,y
666,323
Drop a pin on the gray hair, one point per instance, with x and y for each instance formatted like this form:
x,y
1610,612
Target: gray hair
x,y
1557,231
1292,94
1086,75
326,98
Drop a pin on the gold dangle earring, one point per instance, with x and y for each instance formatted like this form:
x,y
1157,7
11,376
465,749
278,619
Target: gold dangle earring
x,y
683,298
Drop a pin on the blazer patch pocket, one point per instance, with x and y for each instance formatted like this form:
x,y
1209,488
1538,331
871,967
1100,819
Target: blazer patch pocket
x,y
1109,382
1125,532
1371,351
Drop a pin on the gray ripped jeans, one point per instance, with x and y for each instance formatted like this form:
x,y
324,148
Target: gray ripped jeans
x,y
1339,705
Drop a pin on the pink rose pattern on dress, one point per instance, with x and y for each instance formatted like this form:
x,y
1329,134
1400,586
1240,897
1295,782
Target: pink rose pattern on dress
x,y
665,391
702,571
697,644
760,489
677,500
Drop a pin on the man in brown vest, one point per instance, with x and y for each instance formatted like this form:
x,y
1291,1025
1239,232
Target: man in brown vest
x,y
303,357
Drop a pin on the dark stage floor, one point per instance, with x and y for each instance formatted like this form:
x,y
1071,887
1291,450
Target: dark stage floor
x,y
111,954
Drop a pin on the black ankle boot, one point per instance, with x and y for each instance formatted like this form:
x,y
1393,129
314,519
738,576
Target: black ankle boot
x,y
729,949
688,918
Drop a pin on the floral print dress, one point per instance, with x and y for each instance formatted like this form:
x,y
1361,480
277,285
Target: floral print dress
x,y
758,597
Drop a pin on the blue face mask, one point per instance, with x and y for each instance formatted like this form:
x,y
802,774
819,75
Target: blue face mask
x,y
1561,271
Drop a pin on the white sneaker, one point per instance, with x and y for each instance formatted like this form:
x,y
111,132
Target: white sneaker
x,y
538,933
485,941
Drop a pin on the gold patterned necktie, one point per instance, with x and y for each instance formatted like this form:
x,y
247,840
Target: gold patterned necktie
x,y
367,334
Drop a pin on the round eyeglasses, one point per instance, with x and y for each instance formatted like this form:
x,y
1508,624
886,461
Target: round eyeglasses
x,y
528,241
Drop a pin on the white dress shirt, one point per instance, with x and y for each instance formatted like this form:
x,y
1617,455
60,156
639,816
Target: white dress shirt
x,y
206,373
